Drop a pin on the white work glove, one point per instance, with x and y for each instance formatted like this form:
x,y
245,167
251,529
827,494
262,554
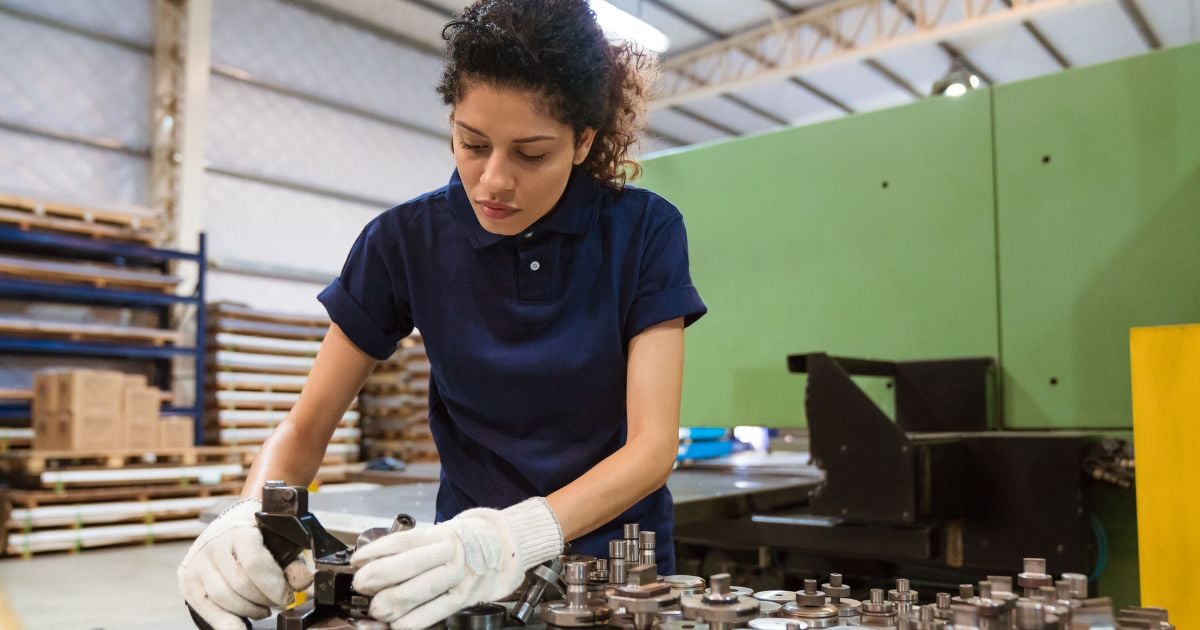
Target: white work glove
x,y
228,574
421,576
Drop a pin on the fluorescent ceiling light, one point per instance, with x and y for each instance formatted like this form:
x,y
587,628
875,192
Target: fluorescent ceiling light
x,y
620,25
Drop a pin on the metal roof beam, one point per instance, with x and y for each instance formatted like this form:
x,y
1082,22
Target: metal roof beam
x,y
1143,27
806,41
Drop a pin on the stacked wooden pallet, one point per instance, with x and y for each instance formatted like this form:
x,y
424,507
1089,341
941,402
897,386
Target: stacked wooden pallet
x,y
73,500
395,406
258,363
122,223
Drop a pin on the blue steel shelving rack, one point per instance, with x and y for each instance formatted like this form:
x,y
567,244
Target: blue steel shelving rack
x,y
121,253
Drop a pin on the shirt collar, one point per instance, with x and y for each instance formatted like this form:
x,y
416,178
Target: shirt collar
x,y
572,214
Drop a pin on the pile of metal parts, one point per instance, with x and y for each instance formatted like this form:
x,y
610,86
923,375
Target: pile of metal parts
x,y
625,591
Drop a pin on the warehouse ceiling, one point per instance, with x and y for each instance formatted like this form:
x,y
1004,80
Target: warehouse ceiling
x,y
846,56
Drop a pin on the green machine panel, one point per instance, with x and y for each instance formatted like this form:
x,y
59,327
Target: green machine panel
x,y
866,236
1098,189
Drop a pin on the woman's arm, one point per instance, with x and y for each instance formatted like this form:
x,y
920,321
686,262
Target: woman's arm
x,y
296,447
653,388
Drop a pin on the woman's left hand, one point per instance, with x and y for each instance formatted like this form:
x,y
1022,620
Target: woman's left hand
x,y
421,576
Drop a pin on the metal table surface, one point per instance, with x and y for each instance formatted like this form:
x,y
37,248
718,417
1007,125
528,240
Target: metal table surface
x,y
698,493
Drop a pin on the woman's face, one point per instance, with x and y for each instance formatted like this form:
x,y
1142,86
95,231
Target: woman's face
x,y
513,157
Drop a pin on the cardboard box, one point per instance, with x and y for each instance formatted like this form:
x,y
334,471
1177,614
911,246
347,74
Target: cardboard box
x,y
47,435
141,417
175,432
93,403
136,380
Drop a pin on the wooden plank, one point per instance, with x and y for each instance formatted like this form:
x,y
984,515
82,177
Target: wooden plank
x,y
259,418
79,514
264,345
251,381
35,461
34,498
264,363
239,311
86,273
139,475
16,394
77,332
256,436
25,544
26,221
130,216
267,329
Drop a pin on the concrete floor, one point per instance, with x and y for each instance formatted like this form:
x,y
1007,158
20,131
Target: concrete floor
x,y
127,588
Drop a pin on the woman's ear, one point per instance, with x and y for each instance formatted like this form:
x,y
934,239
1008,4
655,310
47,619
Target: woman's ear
x,y
583,145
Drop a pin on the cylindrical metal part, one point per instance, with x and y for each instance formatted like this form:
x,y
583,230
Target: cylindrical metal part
x,y
648,546
1078,583
616,562
778,597
632,551
1034,576
477,617
1030,616
776,623
769,609
683,585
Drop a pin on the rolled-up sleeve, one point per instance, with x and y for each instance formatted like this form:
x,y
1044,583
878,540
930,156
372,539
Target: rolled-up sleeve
x,y
665,289
369,300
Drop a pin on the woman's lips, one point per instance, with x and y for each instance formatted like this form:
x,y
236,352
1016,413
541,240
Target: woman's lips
x,y
496,211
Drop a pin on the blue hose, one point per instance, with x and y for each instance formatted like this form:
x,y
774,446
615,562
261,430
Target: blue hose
x,y
1101,549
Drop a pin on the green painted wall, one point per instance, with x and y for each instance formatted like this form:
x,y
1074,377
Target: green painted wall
x,y
797,244
1103,237
871,235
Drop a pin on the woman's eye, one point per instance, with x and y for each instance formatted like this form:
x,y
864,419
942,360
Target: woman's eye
x,y
472,147
532,158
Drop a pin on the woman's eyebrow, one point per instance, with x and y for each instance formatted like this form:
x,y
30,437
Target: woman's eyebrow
x,y
526,140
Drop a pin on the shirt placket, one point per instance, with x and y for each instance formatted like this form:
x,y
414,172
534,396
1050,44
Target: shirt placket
x,y
535,267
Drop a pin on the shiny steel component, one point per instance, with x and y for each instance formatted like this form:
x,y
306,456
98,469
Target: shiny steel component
x,y
1034,576
478,617
776,623
941,608
878,612
1078,584
683,585
632,555
923,619
641,596
769,609
965,593
810,607
598,577
779,597
995,610
904,598
536,581
721,609
1030,616
839,595
616,562
683,625
401,523
966,617
646,541
577,610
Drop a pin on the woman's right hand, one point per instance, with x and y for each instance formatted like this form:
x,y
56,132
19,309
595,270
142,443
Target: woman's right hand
x,y
228,574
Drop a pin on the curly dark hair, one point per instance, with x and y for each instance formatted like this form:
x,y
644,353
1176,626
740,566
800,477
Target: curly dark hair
x,y
556,48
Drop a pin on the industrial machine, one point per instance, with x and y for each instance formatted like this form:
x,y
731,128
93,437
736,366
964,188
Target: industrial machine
x,y
625,591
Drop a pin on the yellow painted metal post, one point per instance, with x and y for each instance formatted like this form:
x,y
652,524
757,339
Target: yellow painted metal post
x,y
1166,437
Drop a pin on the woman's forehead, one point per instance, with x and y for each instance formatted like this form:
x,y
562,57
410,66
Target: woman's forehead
x,y
504,111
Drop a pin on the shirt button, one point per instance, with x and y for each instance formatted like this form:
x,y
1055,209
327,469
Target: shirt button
x,y
529,235
535,265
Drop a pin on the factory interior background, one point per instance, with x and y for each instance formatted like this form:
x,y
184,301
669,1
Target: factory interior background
x,y
180,178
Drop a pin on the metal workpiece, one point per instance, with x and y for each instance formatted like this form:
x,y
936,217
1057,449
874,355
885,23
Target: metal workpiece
x,y
680,624
1077,584
684,585
878,612
966,593
810,596
768,609
578,610
776,623
616,562
666,615
598,577
1144,617
923,619
904,597
778,597
1001,584
401,523
648,546
642,595
941,608
1030,616
965,617
477,617
536,581
632,550
995,610
838,594
720,608
1034,576
810,607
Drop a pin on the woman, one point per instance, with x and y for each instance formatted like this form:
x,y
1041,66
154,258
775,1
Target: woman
x,y
552,300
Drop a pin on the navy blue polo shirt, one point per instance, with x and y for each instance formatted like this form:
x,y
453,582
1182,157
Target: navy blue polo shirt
x,y
527,335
